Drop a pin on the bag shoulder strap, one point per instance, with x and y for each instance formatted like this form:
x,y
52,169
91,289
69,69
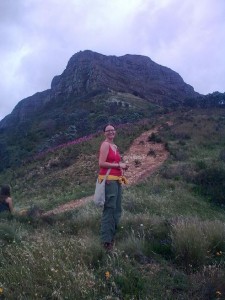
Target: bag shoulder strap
x,y
107,173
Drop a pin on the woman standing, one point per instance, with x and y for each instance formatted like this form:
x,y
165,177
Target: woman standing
x,y
6,202
109,158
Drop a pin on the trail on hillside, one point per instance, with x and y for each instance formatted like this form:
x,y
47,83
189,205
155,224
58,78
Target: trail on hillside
x,y
144,157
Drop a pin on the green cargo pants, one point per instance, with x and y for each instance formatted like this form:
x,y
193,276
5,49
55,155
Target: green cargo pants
x,y
112,210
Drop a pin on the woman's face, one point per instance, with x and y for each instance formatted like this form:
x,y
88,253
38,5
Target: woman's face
x,y
110,132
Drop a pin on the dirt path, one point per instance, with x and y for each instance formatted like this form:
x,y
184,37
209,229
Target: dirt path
x,y
143,157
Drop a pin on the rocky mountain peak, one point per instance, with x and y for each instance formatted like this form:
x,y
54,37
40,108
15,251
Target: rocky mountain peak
x,y
87,71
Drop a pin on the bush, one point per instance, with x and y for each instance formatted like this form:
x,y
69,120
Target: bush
x,y
189,243
215,234
154,138
201,164
151,152
195,241
179,170
211,183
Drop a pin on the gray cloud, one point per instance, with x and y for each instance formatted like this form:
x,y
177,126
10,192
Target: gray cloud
x,y
40,36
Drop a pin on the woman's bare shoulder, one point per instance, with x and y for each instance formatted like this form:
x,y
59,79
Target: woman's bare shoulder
x,y
104,145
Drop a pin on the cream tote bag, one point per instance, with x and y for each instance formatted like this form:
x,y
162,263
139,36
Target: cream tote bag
x,y
99,195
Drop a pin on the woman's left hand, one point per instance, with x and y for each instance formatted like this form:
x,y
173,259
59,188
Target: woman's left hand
x,y
123,166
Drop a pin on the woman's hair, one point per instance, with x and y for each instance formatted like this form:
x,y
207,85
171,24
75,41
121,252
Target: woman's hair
x,y
104,128
5,191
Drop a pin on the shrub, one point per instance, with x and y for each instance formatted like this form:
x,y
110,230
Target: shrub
x,y
201,164
194,241
132,245
215,234
211,183
131,284
176,151
151,152
179,170
189,243
154,138
180,155
137,162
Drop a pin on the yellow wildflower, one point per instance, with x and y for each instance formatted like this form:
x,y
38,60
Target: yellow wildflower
x,y
1,290
107,275
218,293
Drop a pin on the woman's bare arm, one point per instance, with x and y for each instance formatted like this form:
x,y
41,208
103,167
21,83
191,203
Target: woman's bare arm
x,y
10,203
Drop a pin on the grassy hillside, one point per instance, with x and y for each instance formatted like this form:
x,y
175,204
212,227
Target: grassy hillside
x,y
63,120
171,242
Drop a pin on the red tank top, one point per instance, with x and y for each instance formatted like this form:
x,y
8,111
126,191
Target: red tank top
x,y
112,157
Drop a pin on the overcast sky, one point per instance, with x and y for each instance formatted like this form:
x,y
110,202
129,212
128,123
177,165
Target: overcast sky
x,y
38,37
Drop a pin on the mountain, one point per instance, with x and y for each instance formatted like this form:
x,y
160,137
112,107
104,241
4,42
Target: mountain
x,y
93,90
89,72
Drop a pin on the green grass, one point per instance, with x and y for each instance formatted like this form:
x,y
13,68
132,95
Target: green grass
x,y
171,240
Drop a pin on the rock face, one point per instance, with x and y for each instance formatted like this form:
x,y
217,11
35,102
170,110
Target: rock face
x,y
89,72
